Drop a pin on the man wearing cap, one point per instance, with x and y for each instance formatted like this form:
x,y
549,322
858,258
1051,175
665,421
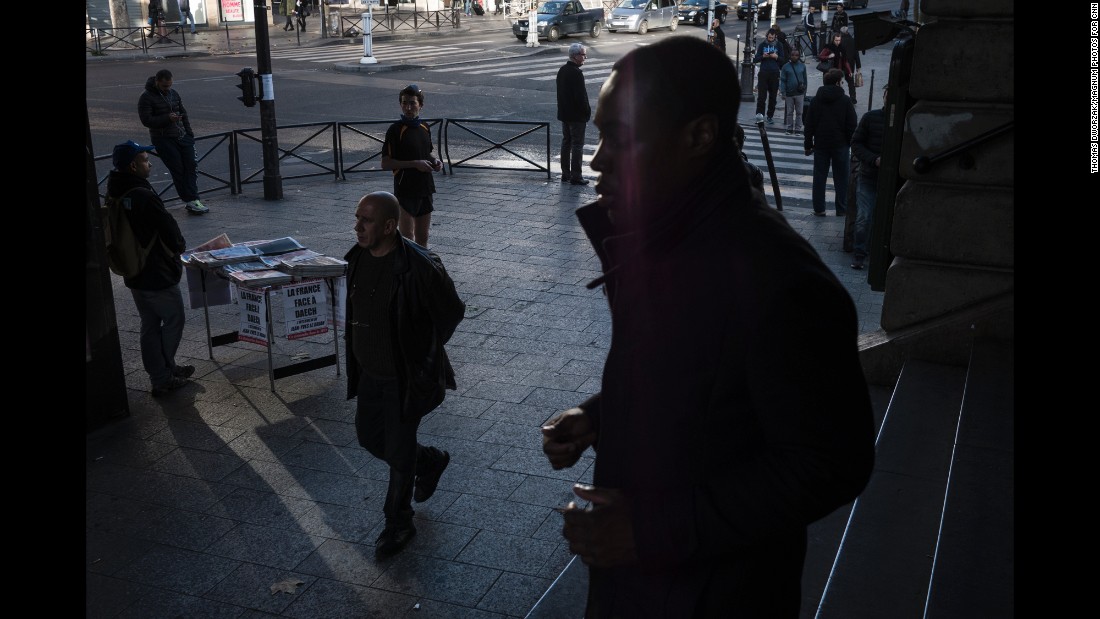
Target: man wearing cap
x,y
574,110
161,110
155,289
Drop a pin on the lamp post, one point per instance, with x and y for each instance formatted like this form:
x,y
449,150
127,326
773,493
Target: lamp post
x,y
746,64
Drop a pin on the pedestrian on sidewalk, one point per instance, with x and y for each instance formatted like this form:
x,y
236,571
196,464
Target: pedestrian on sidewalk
x,y
402,307
770,56
867,147
302,11
156,288
718,36
407,151
157,25
848,44
286,8
830,123
185,14
726,421
792,85
839,20
574,111
809,22
837,56
161,109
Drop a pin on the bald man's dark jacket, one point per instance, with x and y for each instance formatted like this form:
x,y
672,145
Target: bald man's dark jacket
x,y
424,312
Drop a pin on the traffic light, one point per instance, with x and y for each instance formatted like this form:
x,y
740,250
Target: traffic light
x,y
247,86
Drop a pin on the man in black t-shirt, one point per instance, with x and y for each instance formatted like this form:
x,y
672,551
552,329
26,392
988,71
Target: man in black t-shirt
x,y
408,152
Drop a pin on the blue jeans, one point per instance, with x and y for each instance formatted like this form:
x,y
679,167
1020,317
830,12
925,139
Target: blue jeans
x,y
837,157
184,17
162,321
180,161
469,7
572,149
865,213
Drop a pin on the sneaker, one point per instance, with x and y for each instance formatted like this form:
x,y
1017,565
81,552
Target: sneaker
x,y
857,263
579,181
196,208
759,118
173,383
393,539
819,213
183,371
425,484
564,179
771,121
790,131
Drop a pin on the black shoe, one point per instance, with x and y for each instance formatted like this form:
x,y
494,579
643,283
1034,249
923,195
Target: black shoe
x,y
425,484
173,383
821,214
393,539
183,371
583,181
857,264
565,179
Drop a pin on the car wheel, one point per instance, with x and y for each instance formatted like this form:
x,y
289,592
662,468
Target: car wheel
x,y
788,15
722,18
643,27
674,24
699,17
596,28
521,37
553,34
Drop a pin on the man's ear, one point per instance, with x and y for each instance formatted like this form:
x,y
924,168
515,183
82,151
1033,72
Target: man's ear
x,y
702,135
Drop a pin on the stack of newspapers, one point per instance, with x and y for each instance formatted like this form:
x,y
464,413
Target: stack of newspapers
x,y
308,263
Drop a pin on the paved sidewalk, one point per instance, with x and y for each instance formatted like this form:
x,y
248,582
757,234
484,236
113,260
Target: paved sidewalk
x,y
199,502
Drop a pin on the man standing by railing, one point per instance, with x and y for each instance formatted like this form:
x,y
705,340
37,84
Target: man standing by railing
x,y
161,110
574,110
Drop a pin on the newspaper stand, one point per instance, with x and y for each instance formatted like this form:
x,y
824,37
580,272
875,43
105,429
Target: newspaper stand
x,y
231,337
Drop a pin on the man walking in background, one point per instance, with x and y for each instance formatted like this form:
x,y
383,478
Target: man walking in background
x,y
574,111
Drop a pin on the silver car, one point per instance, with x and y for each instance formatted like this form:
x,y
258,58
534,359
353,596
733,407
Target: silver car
x,y
643,15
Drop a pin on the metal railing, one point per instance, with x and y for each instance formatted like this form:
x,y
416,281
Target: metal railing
x,y
232,159
101,40
387,21
466,123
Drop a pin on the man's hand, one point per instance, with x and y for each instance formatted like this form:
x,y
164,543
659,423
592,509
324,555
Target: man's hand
x,y
566,436
424,165
602,534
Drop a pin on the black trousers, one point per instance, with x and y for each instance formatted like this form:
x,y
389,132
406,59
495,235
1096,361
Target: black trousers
x,y
572,148
767,88
382,432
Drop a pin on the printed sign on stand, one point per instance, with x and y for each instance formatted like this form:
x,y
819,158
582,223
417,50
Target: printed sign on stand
x,y
253,316
305,306
341,294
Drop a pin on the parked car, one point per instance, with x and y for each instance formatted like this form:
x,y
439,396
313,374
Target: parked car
x,y
695,11
799,6
643,15
848,4
561,17
765,8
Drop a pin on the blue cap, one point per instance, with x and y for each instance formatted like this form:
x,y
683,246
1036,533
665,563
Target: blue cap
x,y
124,153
